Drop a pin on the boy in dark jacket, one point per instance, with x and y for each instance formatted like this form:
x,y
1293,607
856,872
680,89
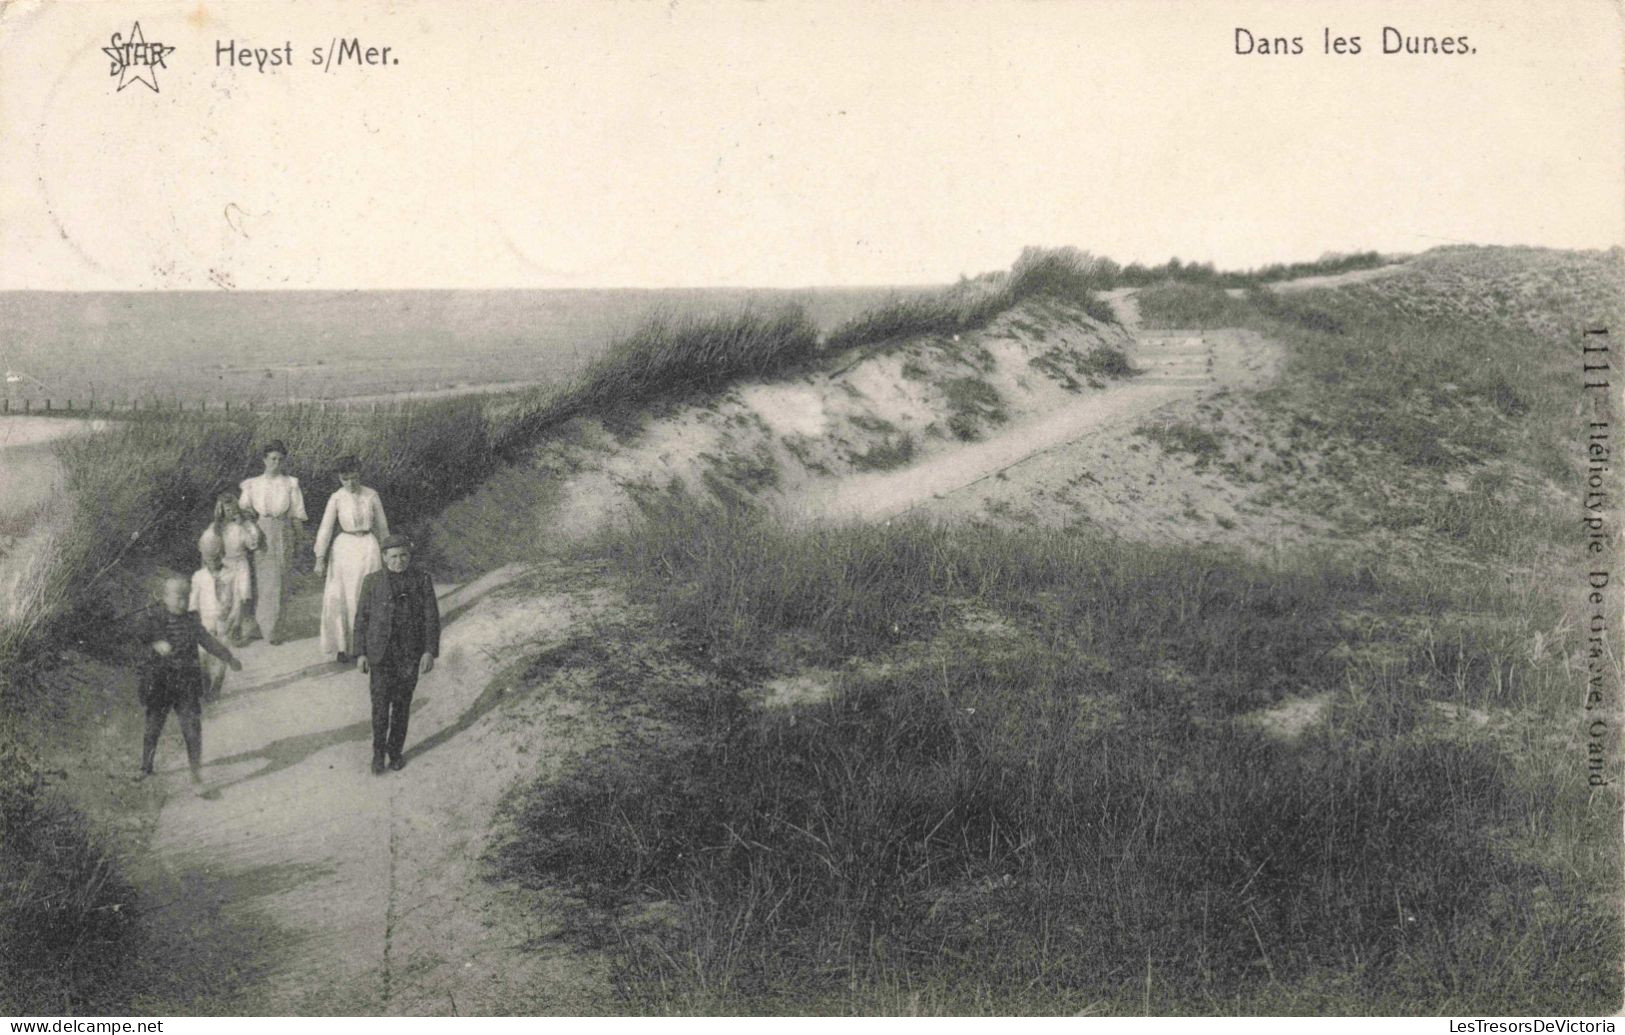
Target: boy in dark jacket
x,y
396,639
171,677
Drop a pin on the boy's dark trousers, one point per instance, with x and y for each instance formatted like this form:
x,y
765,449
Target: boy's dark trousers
x,y
394,678
179,688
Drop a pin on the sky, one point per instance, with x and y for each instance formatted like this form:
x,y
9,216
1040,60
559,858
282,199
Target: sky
x,y
785,144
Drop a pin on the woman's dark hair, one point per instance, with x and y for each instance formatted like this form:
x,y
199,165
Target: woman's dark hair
x,y
276,445
347,465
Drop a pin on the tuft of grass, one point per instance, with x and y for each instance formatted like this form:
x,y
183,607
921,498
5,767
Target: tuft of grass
x,y
972,403
1176,304
1067,365
1185,437
1107,361
892,451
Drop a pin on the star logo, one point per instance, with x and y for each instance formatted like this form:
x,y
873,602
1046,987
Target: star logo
x,y
135,60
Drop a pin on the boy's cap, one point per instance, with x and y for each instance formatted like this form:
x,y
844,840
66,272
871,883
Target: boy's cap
x,y
397,540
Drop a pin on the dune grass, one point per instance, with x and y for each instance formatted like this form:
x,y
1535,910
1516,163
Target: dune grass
x,y
1137,275
1063,274
65,915
665,358
1038,784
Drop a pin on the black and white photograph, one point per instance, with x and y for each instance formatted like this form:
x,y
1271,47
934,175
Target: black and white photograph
x,y
811,508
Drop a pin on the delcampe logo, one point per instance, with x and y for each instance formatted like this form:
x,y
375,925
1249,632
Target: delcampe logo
x,y
135,60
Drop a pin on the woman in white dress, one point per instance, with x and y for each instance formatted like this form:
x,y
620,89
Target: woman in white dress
x,y
353,525
276,498
236,536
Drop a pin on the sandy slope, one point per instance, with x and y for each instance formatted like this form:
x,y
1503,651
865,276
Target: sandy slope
x,y
1177,365
1086,461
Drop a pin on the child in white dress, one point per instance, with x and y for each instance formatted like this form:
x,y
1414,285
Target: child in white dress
x,y
214,599
234,532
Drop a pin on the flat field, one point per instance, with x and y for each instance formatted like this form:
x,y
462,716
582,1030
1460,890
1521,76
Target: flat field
x,y
269,346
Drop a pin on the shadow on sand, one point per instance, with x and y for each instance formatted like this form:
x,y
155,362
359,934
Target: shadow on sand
x,y
290,751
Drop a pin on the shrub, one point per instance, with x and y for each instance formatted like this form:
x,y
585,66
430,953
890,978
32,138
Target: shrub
x,y
972,403
1063,274
892,451
65,921
1185,437
1191,305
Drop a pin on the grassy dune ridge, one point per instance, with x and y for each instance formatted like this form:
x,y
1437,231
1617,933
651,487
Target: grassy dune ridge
x,y
1064,273
1043,772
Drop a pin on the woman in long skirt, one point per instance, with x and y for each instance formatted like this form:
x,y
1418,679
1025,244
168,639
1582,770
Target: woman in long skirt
x,y
276,498
353,525
233,533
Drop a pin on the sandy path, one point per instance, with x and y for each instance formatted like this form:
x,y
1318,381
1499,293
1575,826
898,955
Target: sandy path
x,y
370,885
1329,280
1177,365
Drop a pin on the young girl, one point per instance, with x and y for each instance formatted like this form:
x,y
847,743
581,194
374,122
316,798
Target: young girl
x,y
214,599
234,533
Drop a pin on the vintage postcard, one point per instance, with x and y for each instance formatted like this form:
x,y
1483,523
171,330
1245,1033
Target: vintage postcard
x,y
823,508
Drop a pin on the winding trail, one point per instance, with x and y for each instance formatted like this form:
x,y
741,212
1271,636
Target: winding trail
x,y
1175,365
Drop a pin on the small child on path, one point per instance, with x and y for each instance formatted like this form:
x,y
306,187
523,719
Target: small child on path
x,y
214,598
171,678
